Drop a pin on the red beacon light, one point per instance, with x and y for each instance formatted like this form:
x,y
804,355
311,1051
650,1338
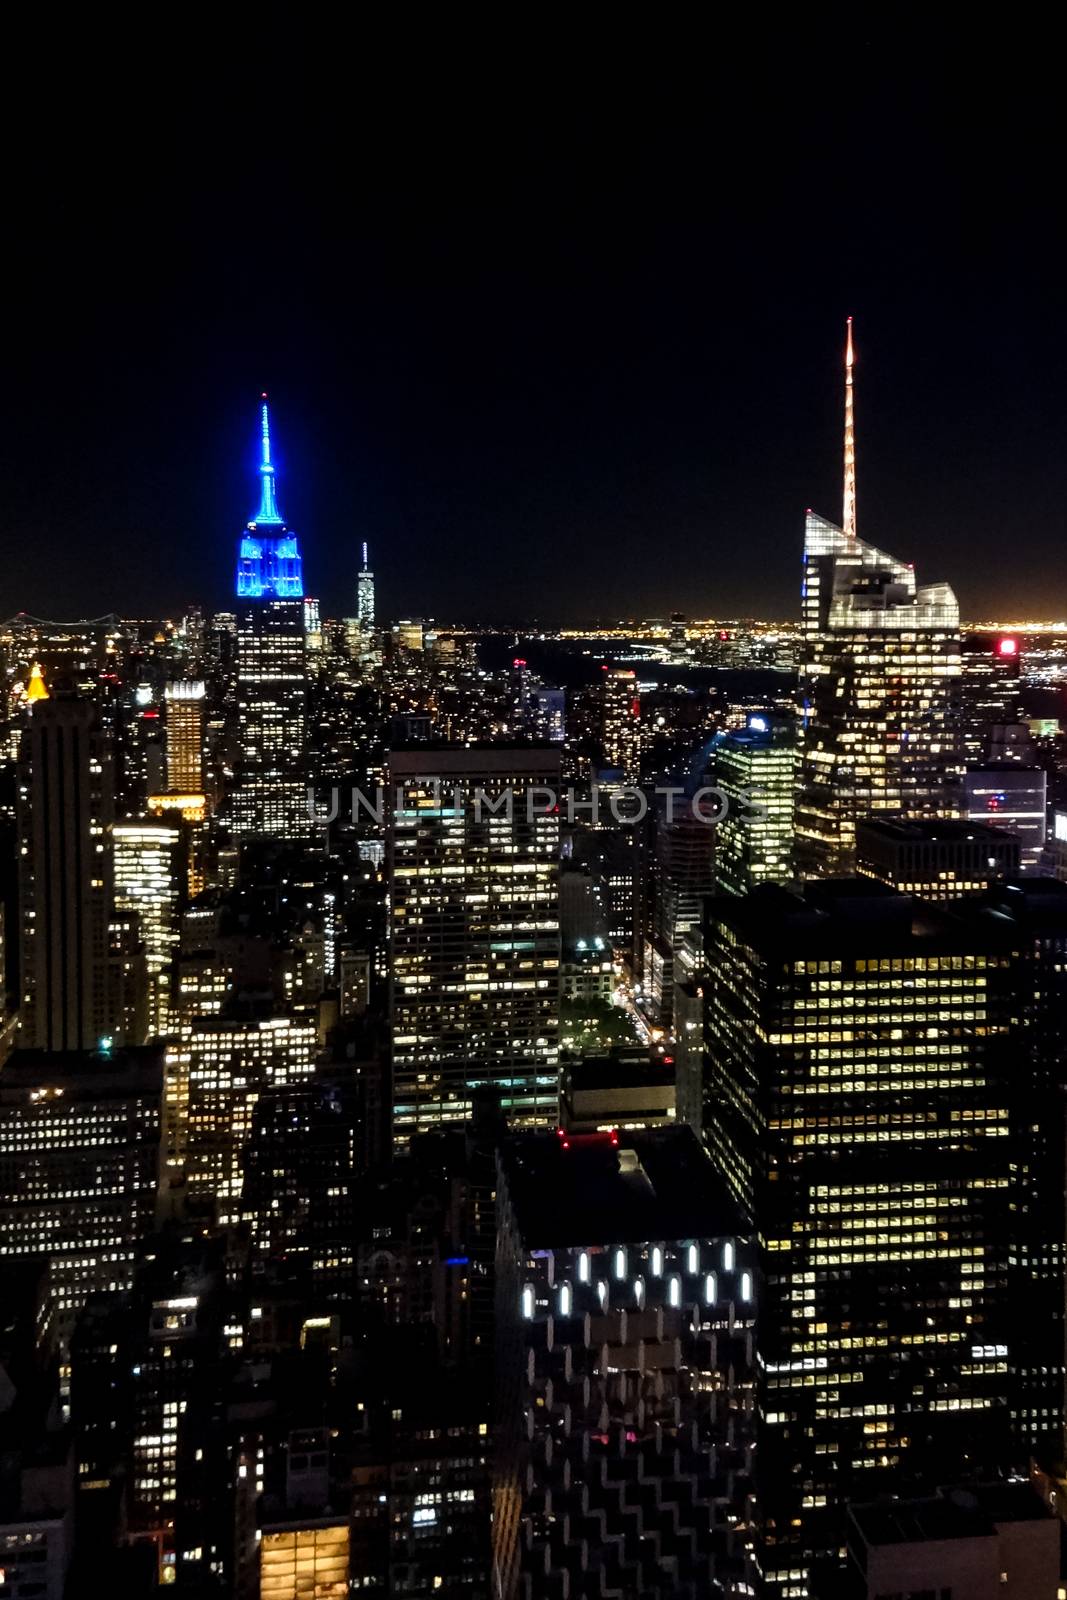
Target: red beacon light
x,y
1007,646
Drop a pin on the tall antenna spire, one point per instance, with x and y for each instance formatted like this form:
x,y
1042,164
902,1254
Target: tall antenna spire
x,y
268,503
848,521
364,555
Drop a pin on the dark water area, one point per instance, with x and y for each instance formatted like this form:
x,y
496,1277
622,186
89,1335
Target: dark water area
x,y
576,663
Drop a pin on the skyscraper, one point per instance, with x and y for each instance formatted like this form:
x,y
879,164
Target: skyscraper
x,y
185,736
625,1371
365,595
270,791
879,685
877,1121
232,1062
79,1165
753,768
620,721
66,803
148,876
474,929
990,688
1011,795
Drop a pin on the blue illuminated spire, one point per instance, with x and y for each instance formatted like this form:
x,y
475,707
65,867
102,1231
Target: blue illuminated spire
x,y
268,499
268,558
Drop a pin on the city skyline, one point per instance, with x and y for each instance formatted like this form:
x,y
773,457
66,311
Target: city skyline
x,y
533,928
484,354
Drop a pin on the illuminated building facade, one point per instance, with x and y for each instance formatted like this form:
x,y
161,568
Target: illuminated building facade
x,y
474,933
547,714
305,1561
990,688
184,702
626,1304
148,878
409,633
79,1165
937,860
232,1061
270,792
188,813
879,686
65,807
879,683
754,770
420,1506
177,1337
620,722
312,623
862,1075
365,595
300,1163
1056,850
1009,795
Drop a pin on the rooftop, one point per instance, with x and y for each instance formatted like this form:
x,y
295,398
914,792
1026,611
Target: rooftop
x,y
972,1513
585,1189
629,1069
845,917
81,1074
944,830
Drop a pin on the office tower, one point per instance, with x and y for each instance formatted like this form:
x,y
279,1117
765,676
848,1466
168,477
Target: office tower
x,y
148,880
65,806
192,631
409,633
862,1071
937,860
270,789
620,722
547,713
184,701
365,595
1009,795
474,933
683,872
990,687
177,1341
420,1503
232,1062
680,874
879,686
521,687
312,623
625,1370
754,770
300,1163
79,1163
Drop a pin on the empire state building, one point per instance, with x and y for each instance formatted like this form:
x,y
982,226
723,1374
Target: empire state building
x,y
270,792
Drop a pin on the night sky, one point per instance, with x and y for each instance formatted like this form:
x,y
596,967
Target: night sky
x,y
554,320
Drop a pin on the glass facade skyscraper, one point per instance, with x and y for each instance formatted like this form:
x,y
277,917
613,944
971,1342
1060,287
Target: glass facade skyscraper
x,y
869,1102
474,933
753,768
879,688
